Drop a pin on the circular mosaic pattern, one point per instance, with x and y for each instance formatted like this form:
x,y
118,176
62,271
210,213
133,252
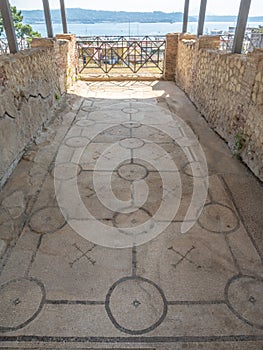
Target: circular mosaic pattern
x,y
21,300
132,172
47,220
130,220
194,169
136,305
85,123
77,141
130,110
131,143
218,218
66,171
131,125
244,297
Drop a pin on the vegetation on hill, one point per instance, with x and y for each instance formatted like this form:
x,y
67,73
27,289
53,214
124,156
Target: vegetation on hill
x,y
78,15
22,30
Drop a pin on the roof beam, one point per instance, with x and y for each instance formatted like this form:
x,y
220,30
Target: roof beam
x,y
186,11
63,16
9,26
48,18
241,26
201,19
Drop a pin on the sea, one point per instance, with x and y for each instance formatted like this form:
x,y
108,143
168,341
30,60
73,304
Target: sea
x,y
136,29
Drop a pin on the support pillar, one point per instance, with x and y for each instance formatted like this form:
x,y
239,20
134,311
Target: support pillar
x,y
63,16
241,26
201,20
9,26
48,18
171,52
186,11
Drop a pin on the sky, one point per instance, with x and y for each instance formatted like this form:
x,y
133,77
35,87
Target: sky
x,y
219,7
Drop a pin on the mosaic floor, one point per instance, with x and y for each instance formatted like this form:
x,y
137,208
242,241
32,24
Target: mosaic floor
x,y
124,233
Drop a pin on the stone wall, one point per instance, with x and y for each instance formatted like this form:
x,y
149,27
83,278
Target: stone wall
x,y
228,90
31,84
253,128
69,56
186,54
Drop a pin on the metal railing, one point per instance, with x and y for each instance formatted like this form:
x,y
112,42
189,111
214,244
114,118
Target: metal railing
x,y
251,41
23,43
107,53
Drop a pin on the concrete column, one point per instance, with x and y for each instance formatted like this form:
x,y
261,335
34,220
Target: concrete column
x,y
241,26
201,20
48,18
9,25
63,16
186,11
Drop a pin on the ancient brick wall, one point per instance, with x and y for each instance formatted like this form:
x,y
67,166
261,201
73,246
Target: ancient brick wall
x,y
31,84
252,153
68,56
170,60
184,73
228,90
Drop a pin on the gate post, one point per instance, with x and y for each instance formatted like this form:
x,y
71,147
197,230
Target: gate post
x,y
170,60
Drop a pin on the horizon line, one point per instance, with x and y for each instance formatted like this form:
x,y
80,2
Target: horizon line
x,y
87,9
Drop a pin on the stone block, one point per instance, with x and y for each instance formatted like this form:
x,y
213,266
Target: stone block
x,y
42,42
70,37
259,76
3,247
171,55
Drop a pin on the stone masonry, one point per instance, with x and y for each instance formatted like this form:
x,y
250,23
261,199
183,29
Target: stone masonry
x,y
30,88
227,89
170,56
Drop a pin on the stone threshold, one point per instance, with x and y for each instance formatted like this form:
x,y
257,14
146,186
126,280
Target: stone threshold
x,y
120,78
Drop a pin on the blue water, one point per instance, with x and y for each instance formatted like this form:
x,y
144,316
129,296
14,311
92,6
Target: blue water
x,y
135,29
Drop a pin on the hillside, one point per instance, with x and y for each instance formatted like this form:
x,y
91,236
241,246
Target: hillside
x,y
77,15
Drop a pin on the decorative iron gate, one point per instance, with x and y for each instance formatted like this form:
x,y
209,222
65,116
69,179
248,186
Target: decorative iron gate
x,y
107,53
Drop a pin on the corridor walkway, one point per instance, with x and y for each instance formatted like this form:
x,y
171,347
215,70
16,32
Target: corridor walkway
x,y
129,224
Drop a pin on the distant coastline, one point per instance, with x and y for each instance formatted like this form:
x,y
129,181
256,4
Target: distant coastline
x,y
77,15
136,29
